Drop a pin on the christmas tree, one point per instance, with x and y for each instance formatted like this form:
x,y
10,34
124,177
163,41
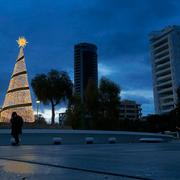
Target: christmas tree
x,y
18,97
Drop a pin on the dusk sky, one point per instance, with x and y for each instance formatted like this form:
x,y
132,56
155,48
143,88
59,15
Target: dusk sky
x,y
119,29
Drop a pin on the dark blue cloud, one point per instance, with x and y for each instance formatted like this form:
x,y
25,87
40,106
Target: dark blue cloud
x,y
119,28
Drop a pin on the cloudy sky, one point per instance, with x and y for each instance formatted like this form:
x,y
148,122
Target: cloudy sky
x,y
119,28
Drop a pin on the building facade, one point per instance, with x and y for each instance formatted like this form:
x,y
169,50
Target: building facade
x,y
130,110
165,56
85,67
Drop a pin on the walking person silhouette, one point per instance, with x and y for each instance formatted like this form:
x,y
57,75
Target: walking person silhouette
x,y
16,127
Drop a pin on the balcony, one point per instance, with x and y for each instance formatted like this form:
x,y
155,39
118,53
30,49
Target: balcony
x,y
162,54
168,104
167,101
161,48
163,71
167,110
164,83
158,43
162,60
165,90
167,97
163,66
164,87
164,78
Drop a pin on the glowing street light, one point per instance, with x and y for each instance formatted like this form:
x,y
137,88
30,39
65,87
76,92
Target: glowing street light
x,y
37,103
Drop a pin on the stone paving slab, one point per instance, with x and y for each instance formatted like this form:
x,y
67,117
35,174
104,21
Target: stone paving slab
x,y
95,161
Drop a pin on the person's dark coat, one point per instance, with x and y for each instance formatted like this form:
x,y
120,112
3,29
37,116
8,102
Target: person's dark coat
x,y
16,125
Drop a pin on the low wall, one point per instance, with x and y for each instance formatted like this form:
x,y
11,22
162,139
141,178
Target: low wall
x,y
45,136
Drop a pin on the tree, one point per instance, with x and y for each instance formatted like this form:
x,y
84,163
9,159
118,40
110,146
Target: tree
x,y
75,113
83,114
40,120
109,104
100,108
91,104
52,88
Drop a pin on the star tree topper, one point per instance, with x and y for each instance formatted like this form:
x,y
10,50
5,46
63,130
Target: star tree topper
x,y
22,42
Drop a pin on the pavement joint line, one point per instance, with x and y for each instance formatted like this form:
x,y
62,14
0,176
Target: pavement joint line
x,y
77,169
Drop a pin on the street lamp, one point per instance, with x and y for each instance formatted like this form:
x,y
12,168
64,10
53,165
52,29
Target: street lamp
x,y
37,103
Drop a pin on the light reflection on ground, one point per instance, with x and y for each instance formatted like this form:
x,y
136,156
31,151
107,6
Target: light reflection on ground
x,y
146,160
29,157
18,168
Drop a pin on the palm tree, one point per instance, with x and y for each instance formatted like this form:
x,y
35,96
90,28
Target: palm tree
x,y
52,88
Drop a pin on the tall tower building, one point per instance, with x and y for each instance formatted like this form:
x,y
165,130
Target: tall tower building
x,y
165,55
18,97
85,66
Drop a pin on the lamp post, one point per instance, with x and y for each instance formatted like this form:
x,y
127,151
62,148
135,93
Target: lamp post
x,y
37,103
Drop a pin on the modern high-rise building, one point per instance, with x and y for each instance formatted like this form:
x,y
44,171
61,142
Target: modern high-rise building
x,y
165,55
85,67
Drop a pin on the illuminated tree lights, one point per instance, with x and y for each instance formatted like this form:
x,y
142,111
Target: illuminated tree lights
x,y
18,97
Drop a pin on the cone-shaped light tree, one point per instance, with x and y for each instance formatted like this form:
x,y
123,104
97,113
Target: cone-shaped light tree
x,y
18,97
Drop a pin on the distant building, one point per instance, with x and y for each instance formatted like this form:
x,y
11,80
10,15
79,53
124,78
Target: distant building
x,y
165,55
85,67
62,118
130,110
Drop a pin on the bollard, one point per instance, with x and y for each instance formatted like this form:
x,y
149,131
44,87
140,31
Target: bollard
x,y
89,140
57,140
112,140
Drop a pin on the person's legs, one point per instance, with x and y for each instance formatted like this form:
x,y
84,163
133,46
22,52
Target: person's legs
x,y
16,137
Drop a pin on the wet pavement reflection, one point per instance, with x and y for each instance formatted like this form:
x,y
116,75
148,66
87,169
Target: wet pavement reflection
x,y
17,167
148,161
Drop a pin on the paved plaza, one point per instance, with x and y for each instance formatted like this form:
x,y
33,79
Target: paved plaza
x,y
94,161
